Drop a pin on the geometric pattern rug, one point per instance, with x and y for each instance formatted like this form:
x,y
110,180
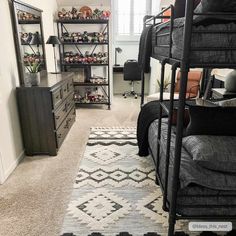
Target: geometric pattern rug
x,y
115,192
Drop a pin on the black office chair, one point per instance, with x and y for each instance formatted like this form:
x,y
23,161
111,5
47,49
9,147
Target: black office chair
x,y
132,73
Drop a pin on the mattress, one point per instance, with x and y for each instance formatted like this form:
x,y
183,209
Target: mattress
x,y
205,40
202,191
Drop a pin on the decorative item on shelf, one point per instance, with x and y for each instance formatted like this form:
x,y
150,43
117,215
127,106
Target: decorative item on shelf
x,y
34,74
22,15
25,38
86,37
84,13
36,40
117,50
77,96
230,82
74,13
98,80
87,58
90,96
97,14
66,37
53,40
106,15
34,57
31,39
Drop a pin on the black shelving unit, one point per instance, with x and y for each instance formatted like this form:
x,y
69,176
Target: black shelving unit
x,y
17,7
63,26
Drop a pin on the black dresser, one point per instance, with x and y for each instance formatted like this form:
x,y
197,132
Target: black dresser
x,y
47,112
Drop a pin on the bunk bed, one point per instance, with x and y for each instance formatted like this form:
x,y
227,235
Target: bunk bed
x,y
202,39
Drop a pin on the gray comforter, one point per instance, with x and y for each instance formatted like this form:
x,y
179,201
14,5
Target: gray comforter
x,y
205,40
190,172
202,191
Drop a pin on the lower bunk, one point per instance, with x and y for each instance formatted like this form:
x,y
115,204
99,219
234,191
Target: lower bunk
x,y
202,192
206,187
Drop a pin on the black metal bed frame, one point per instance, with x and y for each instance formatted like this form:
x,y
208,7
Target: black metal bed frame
x,y
184,64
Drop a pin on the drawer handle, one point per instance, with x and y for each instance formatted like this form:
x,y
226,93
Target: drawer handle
x,y
59,136
66,126
57,117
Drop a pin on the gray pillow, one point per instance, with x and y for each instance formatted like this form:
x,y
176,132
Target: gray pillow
x,y
216,6
212,152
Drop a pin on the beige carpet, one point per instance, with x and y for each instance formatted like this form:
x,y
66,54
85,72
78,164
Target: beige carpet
x,y
34,198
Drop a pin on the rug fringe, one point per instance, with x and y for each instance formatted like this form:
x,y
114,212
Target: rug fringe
x,y
112,128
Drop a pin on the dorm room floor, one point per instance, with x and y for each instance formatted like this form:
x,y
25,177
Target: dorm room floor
x,y
33,200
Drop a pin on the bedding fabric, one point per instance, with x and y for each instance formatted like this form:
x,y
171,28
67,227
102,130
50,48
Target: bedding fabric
x,y
212,121
149,112
179,7
199,186
212,152
205,40
216,6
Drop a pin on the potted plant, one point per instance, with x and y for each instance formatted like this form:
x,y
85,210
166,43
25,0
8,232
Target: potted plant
x,y
34,74
165,84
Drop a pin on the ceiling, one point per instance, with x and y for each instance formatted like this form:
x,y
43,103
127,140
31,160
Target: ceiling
x,y
83,3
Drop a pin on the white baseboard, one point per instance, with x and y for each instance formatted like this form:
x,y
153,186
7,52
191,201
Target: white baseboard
x,y
7,173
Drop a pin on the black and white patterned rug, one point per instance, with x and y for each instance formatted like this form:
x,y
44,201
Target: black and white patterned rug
x,y
115,192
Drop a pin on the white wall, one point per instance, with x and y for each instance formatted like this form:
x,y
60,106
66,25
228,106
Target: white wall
x,y
11,146
165,3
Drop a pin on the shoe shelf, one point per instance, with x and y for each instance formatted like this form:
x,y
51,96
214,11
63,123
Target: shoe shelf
x,y
29,22
82,65
85,47
77,43
29,38
83,21
90,84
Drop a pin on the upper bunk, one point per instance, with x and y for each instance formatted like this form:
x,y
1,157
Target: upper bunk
x,y
204,38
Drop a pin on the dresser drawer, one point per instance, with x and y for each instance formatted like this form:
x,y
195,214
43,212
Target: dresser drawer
x,y
71,117
65,127
70,102
65,89
57,97
70,86
61,112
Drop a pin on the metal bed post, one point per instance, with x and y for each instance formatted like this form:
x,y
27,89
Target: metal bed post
x,y
163,63
142,87
173,75
147,21
180,117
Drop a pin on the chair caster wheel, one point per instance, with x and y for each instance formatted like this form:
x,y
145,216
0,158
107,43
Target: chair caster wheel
x,y
125,97
135,96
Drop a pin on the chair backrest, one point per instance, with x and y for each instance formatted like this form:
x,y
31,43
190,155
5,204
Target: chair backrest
x,y
193,84
132,70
